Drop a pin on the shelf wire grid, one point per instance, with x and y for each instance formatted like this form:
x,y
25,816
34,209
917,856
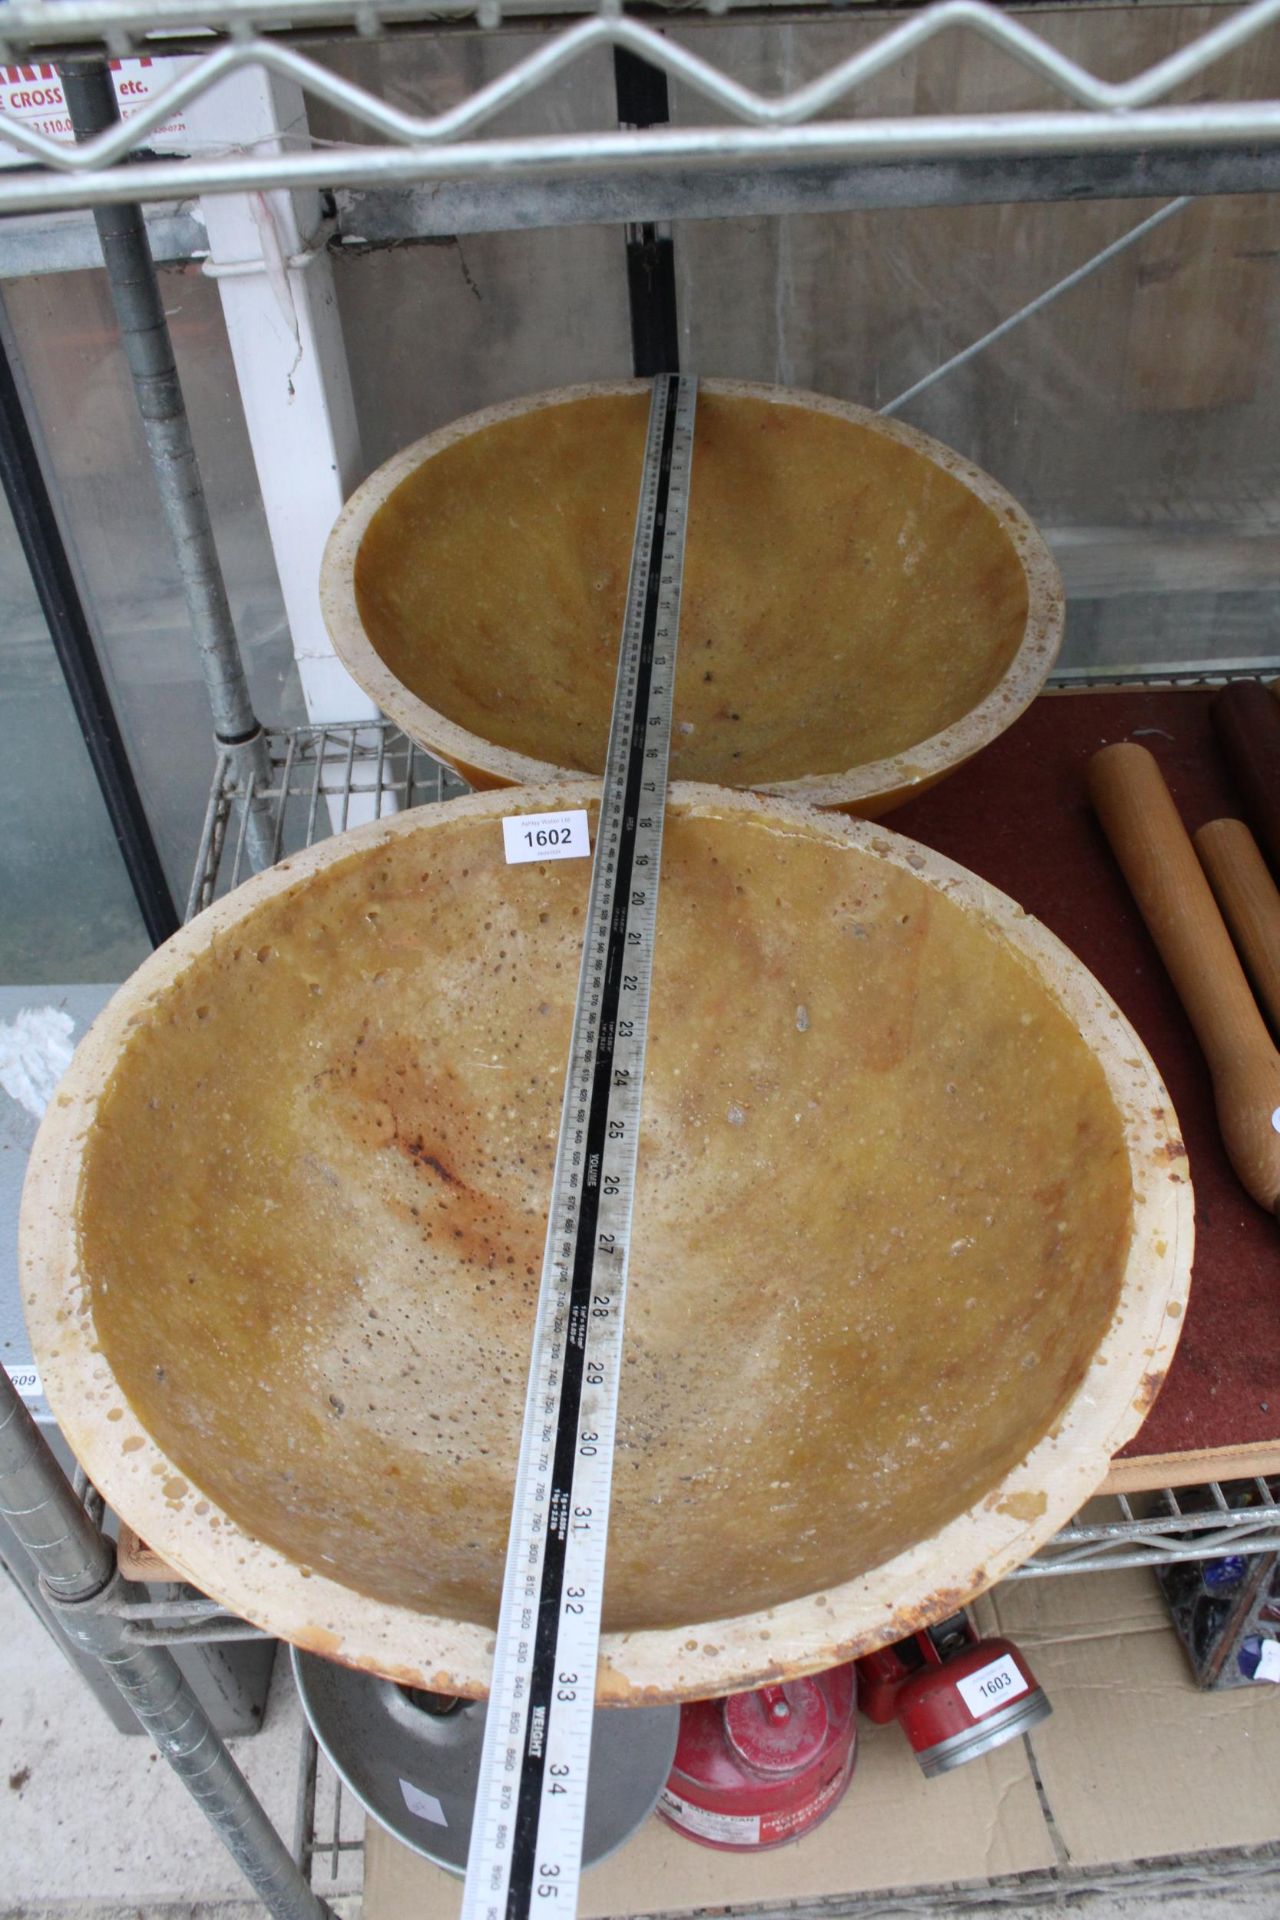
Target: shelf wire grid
x,y
1103,115
323,780
329,1830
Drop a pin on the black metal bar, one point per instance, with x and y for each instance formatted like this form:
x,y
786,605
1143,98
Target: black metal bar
x,y
651,265
46,556
389,216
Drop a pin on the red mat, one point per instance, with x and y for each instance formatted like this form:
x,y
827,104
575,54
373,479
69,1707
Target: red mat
x,y
1019,815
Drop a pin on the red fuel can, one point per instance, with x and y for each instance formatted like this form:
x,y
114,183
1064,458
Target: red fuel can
x,y
954,1696
976,1700
759,1769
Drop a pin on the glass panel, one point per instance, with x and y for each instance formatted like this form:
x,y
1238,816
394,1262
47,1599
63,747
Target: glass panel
x,y
1137,417
98,468
437,332
69,912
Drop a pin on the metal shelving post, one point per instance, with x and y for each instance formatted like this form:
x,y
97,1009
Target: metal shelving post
x,y
144,335
81,1582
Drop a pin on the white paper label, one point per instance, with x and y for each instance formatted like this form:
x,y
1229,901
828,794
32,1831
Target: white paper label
x,y
989,1687
739,1829
546,836
425,1805
1268,1661
28,1382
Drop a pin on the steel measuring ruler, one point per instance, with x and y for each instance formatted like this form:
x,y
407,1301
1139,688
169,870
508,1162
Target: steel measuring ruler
x,y
526,1837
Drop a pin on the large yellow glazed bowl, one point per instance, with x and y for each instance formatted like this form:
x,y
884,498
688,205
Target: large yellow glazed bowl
x,y
862,609
912,1241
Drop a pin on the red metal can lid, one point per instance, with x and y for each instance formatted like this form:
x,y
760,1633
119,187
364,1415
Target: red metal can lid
x,y
777,1730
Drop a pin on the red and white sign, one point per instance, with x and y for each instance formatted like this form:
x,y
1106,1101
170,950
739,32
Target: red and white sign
x,y
33,95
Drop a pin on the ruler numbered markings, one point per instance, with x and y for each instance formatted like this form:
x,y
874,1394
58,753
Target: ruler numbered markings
x,y
526,1841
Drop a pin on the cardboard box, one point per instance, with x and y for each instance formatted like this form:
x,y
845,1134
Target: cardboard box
x,y
1134,1763
1137,1761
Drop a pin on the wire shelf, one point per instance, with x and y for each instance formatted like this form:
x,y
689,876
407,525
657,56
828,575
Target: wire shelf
x,y
323,780
1102,116
1112,1531
1157,1529
329,1835
327,778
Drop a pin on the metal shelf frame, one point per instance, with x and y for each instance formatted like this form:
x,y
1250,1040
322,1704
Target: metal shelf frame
x,y
731,150
1103,117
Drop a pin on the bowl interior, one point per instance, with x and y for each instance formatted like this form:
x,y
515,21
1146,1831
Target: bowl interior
x,y
846,597
884,1208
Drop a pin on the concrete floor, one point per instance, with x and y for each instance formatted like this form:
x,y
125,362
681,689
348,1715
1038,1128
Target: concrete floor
x,y
1230,1903
92,1820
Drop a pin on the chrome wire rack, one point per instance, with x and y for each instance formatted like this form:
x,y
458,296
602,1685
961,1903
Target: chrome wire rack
x,y
1155,1529
1112,1531
323,780
329,1825
1176,128
815,122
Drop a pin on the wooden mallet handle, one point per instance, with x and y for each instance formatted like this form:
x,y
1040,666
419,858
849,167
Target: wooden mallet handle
x,y
1156,856
1250,903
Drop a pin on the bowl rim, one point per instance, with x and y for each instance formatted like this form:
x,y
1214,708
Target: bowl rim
x,y
860,786
940,1574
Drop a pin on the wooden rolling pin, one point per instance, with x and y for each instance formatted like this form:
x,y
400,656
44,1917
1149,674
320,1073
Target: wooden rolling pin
x,y
1250,903
1246,719
1159,862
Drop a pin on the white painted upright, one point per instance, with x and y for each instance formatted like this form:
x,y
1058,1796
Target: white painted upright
x,y
278,299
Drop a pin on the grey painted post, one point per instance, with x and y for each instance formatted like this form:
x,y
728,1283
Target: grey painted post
x,y
79,1576
148,348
